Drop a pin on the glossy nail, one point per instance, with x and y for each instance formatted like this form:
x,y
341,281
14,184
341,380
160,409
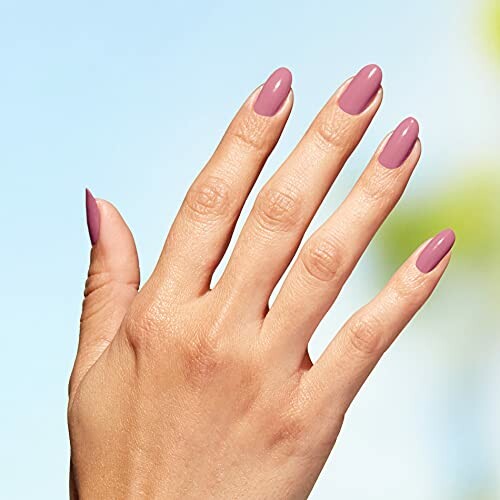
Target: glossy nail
x,y
400,144
435,250
93,217
273,93
361,90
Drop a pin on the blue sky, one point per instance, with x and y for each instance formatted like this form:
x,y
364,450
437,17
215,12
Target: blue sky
x,y
129,99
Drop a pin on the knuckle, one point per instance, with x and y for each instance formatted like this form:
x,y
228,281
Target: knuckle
x,y
208,199
364,335
376,187
205,360
290,424
101,289
277,209
138,332
99,292
250,135
323,260
143,325
333,131
408,290
96,282
292,427
200,357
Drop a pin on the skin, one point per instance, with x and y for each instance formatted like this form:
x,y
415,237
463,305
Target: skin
x,y
187,389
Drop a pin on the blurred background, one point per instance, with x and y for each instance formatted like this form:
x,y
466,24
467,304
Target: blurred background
x,y
130,98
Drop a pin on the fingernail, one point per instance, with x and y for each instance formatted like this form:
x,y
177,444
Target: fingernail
x,y
436,249
93,217
273,93
400,144
361,90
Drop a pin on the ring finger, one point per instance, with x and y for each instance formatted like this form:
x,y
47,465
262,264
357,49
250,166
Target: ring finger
x,y
329,256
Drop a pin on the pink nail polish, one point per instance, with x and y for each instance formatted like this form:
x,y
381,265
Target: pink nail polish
x,y
435,250
93,217
273,93
400,144
361,90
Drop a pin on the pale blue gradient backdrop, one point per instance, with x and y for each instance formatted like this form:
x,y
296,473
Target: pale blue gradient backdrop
x,y
129,99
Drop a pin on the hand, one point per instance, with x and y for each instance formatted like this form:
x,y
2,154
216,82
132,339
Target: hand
x,y
186,391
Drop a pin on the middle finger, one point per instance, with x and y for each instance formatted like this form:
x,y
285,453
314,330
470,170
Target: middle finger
x,y
289,200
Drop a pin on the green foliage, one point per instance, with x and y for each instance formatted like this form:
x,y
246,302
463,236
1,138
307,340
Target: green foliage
x,y
470,204
492,21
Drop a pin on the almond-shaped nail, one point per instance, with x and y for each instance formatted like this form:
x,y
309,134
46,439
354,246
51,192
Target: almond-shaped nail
x,y
273,93
435,250
362,89
93,217
400,144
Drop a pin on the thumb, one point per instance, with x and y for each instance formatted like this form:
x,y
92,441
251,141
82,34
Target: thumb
x,y
112,283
